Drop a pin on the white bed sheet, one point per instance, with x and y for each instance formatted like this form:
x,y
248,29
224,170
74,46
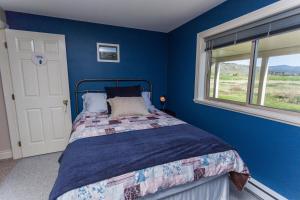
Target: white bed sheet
x,y
210,188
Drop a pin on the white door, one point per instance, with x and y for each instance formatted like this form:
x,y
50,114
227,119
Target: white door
x,y
41,90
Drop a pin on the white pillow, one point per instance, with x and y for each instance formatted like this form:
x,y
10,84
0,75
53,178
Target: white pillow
x,y
148,103
94,102
122,106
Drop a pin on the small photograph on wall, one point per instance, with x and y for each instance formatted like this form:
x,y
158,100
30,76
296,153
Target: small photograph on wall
x,y
108,52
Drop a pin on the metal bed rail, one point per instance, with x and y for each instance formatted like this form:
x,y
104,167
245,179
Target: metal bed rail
x,y
100,80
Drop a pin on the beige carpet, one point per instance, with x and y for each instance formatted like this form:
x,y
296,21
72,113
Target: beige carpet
x,y
5,168
32,179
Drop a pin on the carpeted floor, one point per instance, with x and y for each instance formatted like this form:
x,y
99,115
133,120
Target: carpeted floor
x,y
5,168
32,179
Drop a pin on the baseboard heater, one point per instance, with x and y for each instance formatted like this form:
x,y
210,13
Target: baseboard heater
x,y
261,191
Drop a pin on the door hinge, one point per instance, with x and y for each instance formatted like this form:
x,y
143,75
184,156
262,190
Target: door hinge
x,y
19,144
13,97
5,45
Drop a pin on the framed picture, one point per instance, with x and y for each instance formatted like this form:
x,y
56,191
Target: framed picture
x,y
108,52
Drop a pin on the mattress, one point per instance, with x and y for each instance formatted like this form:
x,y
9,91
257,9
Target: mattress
x,y
146,181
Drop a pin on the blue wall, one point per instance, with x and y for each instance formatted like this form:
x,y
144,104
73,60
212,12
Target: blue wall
x,y
143,53
271,149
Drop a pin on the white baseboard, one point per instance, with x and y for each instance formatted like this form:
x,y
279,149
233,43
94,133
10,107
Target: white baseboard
x,y
262,191
5,154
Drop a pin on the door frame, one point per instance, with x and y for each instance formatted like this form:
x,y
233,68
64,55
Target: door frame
x,y
9,102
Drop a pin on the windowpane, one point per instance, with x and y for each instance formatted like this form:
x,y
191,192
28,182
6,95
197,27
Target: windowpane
x,y
230,70
277,80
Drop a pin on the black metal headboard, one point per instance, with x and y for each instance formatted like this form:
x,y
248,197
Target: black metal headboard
x,y
116,81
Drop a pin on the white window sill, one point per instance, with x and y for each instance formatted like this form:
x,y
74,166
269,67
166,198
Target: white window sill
x,y
275,115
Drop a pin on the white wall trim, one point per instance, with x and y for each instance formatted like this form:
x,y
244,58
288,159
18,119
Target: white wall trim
x,y
9,103
262,191
200,70
5,154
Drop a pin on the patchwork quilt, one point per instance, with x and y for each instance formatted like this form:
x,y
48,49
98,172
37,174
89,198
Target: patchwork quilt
x,y
139,183
96,124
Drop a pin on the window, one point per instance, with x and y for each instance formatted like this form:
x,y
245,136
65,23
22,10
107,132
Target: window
x,y
279,72
229,69
274,79
251,64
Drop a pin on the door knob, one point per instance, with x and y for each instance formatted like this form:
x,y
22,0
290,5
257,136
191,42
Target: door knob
x,y
65,101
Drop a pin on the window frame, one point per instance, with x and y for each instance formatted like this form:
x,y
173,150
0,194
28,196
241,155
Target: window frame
x,y
202,74
250,85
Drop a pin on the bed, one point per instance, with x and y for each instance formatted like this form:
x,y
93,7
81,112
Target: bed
x,y
152,156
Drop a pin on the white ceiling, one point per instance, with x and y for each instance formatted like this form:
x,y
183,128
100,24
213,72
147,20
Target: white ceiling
x,y
155,15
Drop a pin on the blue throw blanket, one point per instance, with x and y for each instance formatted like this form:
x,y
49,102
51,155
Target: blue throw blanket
x,y
94,159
